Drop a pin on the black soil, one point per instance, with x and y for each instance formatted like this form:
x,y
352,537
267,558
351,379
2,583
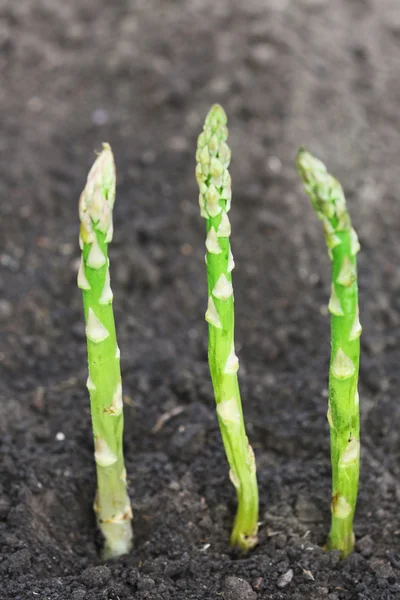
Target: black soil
x,y
142,74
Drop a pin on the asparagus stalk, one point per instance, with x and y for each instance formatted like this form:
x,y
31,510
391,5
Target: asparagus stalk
x,y
329,203
213,157
112,505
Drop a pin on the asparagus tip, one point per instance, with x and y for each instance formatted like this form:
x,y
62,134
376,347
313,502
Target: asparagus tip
x,y
216,115
326,195
308,165
97,199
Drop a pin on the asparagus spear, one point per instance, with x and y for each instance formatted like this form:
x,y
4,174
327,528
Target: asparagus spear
x,y
213,157
329,203
112,504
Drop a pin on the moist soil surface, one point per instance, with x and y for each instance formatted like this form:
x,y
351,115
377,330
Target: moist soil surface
x,y
141,74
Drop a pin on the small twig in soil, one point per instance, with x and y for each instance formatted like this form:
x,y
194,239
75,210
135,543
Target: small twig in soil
x,y
329,203
38,398
213,158
170,414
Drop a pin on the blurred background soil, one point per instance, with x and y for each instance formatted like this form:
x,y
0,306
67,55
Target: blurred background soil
x,y
141,74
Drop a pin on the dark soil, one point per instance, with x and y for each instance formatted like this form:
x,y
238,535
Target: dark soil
x,y
142,74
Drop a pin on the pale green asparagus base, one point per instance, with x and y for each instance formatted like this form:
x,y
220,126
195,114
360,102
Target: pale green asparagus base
x,y
245,527
242,465
113,511
341,536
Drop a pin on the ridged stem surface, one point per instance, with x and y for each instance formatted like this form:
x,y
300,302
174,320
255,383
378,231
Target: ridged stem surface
x,y
112,504
328,200
213,157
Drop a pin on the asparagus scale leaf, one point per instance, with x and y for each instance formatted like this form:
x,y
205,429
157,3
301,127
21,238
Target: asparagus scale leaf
x,y
329,203
112,504
213,178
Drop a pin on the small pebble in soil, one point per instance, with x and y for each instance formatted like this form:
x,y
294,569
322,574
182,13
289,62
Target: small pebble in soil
x,y
95,576
146,583
236,588
285,579
365,546
382,568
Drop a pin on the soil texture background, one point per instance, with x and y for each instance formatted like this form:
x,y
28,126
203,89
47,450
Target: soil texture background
x,y
141,74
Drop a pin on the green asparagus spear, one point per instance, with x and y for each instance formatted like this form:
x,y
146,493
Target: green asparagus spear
x,y
328,200
213,157
112,504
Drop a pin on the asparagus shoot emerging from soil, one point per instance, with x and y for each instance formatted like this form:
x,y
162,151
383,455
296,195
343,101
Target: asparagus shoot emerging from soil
x,y
112,504
329,203
213,157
